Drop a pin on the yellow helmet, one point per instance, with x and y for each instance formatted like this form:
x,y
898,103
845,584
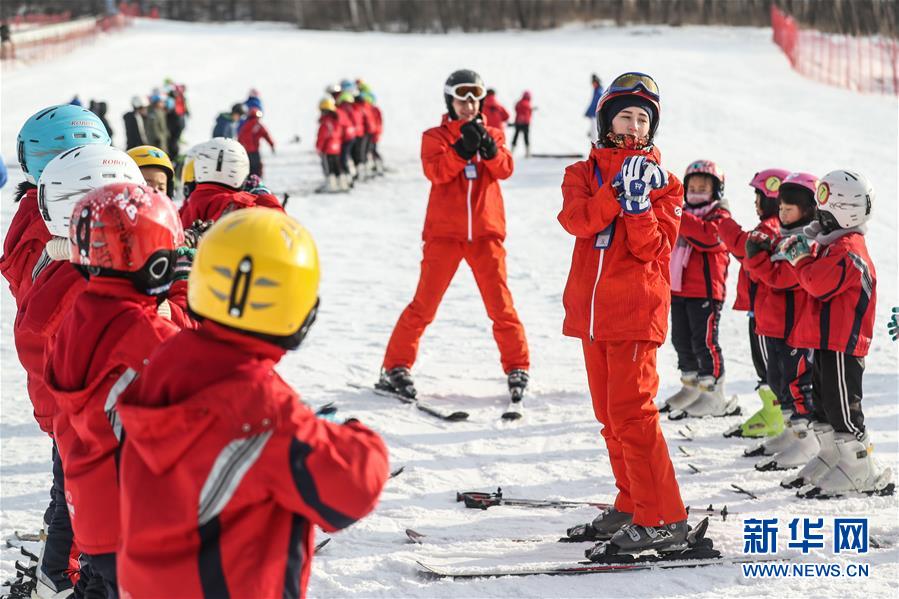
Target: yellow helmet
x,y
257,270
188,178
152,156
327,103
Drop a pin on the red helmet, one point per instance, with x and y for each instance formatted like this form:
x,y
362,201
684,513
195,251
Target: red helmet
x,y
127,230
768,181
707,167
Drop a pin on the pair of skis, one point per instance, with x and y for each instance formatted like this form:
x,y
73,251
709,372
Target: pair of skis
x,y
514,412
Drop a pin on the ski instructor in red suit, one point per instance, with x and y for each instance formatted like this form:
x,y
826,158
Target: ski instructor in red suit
x,y
464,160
623,210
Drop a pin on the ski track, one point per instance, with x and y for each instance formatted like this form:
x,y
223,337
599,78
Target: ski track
x,y
728,94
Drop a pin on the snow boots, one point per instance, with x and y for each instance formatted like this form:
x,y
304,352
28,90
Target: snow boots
x,y
632,539
767,422
518,382
606,524
711,401
397,380
688,393
802,448
776,444
856,472
827,457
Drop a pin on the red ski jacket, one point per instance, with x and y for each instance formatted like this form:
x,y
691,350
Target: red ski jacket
x,y
843,283
369,120
779,300
379,123
357,113
734,237
621,293
523,110
459,207
224,472
211,201
40,314
25,240
347,122
252,132
494,112
329,134
706,270
101,347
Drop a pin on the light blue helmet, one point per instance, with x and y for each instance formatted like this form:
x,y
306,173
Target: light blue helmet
x,y
54,130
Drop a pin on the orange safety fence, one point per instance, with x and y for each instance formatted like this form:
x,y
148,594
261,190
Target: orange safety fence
x,y
861,63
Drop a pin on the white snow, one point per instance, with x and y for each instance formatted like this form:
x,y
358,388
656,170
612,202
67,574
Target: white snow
x,y
728,94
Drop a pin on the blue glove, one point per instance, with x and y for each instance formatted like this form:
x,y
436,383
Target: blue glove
x,y
794,249
893,325
637,178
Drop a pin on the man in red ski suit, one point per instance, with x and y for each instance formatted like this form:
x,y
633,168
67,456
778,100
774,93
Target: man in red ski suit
x,y
251,134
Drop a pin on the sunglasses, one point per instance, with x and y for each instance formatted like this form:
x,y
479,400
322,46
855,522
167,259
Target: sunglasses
x,y
465,91
631,82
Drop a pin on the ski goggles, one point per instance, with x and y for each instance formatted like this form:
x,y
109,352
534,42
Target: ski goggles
x,y
631,82
466,91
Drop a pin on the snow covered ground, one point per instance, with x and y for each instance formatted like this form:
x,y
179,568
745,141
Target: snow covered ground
x,y
727,94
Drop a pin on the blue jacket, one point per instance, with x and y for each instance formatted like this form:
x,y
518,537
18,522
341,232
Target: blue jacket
x,y
224,126
597,94
3,175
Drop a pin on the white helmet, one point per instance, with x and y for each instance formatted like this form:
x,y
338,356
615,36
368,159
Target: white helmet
x,y
138,101
221,160
69,176
844,200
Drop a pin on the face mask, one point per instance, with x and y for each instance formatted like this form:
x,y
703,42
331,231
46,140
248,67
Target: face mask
x,y
698,197
628,142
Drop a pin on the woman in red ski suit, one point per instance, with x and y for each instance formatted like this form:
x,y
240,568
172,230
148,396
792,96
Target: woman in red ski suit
x,y
464,161
618,294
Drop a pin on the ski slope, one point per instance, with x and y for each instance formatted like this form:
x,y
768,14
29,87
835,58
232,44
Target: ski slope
x,y
727,94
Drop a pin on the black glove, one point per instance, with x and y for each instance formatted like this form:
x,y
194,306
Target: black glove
x,y
193,233
467,145
488,147
757,242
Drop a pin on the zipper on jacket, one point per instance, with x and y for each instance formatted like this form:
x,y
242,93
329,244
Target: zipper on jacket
x,y
468,202
602,254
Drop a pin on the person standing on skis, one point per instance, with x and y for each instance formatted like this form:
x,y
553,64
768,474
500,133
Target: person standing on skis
x,y
464,161
624,210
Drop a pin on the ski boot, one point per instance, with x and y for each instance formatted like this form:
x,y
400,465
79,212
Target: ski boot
x,y
711,401
518,382
776,444
827,457
688,393
800,451
397,380
329,186
767,422
606,524
671,542
343,183
856,473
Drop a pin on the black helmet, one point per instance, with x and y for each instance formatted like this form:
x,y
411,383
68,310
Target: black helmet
x,y
461,77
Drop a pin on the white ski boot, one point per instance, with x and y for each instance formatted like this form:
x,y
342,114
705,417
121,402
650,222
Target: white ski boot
x,y
802,449
343,183
773,445
711,401
688,393
855,473
827,457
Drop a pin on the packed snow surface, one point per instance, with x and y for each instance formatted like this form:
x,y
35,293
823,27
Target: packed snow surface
x,y
727,94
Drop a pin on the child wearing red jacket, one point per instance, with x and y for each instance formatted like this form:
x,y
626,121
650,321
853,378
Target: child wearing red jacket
x,y
124,236
523,111
699,264
767,421
222,172
251,133
327,144
465,220
225,472
495,114
837,272
780,304
623,210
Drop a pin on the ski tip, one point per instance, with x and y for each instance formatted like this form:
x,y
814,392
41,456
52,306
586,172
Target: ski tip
x,y
414,536
511,416
457,416
321,545
397,472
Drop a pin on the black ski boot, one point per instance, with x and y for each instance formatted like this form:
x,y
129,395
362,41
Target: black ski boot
x,y
670,542
518,382
398,380
606,524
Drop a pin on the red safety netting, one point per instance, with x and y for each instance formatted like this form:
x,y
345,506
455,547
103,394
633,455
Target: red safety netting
x,y
53,37
860,63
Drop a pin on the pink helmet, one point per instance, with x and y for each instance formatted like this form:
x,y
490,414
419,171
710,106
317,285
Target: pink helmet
x,y
707,167
768,181
806,180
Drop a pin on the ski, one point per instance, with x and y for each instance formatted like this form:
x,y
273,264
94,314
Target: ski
x,y
514,411
397,472
482,500
426,408
33,537
321,545
327,411
586,567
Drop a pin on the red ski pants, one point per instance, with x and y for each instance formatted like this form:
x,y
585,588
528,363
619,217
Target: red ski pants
x,y
623,384
487,259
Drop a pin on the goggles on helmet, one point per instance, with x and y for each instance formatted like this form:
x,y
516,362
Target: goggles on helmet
x,y
631,82
465,91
